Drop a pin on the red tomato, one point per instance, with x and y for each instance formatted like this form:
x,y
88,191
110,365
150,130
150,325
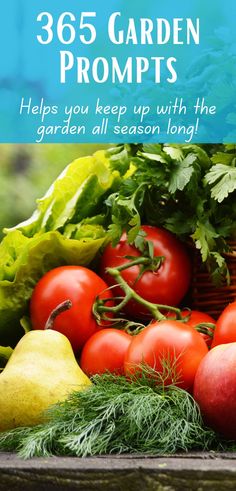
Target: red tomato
x,y
170,343
75,283
225,331
215,389
195,317
105,351
167,285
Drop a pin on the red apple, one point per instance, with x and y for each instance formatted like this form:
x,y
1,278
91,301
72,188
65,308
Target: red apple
x,y
215,389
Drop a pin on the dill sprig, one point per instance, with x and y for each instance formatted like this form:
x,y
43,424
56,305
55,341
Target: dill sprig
x,y
116,415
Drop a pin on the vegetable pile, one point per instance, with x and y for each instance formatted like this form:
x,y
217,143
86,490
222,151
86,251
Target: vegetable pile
x,y
104,260
188,189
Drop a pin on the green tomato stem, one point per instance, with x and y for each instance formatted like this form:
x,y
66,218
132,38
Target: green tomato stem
x,y
130,294
134,262
206,328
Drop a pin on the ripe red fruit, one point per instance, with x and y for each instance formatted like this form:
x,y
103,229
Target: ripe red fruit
x,y
172,348
105,352
215,389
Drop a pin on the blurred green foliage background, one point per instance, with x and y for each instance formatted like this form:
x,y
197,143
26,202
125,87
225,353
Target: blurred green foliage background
x,y
26,172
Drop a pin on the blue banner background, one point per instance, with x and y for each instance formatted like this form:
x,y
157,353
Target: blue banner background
x,y
29,70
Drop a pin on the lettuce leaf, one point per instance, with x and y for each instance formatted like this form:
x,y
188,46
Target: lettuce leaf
x,y
76,194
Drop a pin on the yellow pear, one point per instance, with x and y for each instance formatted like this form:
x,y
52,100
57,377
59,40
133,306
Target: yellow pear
x,y
41,371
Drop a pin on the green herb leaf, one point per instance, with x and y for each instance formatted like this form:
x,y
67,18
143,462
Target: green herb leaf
x,y
152,148
153,156
176,153
218,265
181,173
222,180
204,237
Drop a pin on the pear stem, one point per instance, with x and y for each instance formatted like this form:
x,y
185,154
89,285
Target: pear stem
x,y
62,307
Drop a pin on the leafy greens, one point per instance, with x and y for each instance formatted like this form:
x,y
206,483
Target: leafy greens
x,y
188,189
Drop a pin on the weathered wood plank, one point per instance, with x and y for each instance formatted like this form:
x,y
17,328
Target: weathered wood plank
x,y
191,472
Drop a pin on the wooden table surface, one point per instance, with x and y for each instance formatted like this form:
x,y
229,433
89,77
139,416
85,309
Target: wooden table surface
x,y
188,472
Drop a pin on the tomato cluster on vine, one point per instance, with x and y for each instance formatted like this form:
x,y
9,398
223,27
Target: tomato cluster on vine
x,y
145,285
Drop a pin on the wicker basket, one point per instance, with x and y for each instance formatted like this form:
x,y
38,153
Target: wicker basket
x,y
205,296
